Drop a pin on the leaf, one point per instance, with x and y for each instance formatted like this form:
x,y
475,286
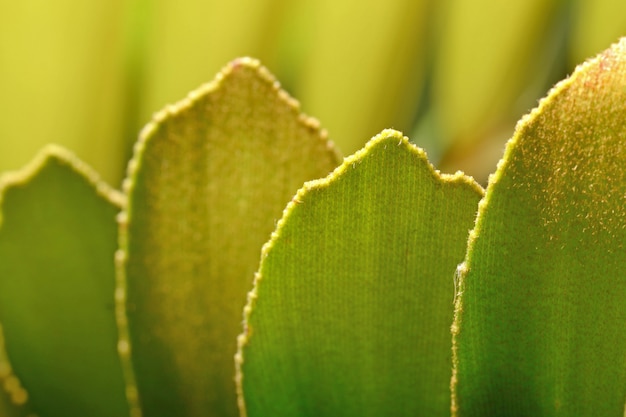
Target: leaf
x,y
57,241
209,179
539,327
351,310
201,36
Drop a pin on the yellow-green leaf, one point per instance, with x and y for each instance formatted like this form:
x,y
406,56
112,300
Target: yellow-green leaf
x,y
352,306
200,37
539,328
209,180
58,237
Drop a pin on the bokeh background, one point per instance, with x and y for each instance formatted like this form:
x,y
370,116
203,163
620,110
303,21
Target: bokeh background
x,y
453,75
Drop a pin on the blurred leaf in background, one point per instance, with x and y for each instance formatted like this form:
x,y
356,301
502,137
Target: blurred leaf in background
x,y
453,74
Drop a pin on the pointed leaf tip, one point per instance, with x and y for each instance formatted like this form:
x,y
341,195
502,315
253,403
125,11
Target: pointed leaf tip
x,y
351,308
209,178
55,155
540,325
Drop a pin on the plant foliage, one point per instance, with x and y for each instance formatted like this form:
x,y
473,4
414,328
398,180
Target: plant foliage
x,y
385,288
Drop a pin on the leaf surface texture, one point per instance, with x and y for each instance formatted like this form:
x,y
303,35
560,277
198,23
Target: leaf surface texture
x,y
352,305
208,181
58,237
539,328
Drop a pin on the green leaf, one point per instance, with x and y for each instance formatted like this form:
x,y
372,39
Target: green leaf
x,y
209,180
57,242
351,311
539,328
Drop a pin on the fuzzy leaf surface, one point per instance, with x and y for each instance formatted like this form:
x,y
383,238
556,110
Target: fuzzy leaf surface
x,y
353,301
58,237
539,328
209,180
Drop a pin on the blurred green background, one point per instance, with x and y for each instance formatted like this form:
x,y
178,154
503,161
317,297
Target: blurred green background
x,y
454,75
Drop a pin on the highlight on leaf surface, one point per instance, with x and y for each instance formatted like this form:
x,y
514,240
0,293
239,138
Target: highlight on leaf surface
x,y
208,181
351,309
57,240
539,326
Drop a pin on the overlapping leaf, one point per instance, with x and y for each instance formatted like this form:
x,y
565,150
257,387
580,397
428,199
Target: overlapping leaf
x,y
57,240
539,328
208,182
351,311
